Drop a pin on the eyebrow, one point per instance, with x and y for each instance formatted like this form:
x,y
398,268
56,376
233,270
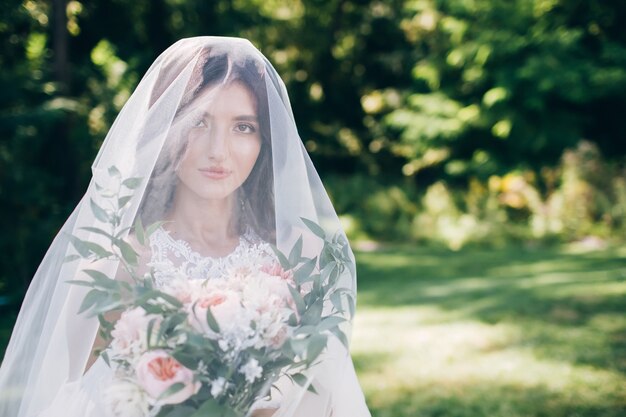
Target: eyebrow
x,y
241,118
246,118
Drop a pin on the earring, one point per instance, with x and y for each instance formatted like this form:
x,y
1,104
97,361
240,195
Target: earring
x,y
242,207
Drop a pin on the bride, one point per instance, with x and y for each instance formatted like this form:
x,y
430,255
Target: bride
x,y
211,129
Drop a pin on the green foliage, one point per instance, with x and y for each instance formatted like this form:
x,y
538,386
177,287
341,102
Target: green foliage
x,y
582,196
499,85
399,95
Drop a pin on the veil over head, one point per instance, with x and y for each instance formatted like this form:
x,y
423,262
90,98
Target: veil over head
x,y
175,130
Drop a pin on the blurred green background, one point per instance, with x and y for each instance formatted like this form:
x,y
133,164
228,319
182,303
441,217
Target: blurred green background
x,y
475,150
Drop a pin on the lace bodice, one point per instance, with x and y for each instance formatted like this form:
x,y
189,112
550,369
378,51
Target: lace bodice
x,y
172,257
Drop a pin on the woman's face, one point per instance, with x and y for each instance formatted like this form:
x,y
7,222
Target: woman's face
x,y
223,141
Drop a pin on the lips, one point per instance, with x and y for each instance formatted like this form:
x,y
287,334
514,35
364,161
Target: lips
x,y
216,173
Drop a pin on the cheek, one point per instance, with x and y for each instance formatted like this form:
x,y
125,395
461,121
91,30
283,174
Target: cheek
x,y
191,152
248,153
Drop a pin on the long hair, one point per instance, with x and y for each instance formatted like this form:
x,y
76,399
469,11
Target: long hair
x,y
256,194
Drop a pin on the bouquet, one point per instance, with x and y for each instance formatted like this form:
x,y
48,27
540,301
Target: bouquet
x,y
197,347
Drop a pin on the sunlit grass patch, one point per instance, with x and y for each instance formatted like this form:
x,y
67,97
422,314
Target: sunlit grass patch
x,y
491,334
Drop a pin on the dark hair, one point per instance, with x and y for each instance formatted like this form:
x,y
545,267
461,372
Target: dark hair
x,y
257,191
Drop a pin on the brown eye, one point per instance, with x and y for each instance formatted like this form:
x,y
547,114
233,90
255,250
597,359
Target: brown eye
x,y
200,123
245,128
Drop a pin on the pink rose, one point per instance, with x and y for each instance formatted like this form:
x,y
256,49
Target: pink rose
x,y
157,371
130,331
225,307
277,270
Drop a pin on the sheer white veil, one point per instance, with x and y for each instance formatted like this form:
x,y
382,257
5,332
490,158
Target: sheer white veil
x,y
51,343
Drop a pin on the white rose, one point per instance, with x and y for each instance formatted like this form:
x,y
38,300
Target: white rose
x,y
125,399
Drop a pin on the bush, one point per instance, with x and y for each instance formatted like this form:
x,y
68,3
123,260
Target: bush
x,y
583,196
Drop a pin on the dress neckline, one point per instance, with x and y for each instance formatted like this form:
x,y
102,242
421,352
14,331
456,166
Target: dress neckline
x,y
194,253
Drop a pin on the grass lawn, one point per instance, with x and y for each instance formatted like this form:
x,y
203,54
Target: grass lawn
x,y
512,332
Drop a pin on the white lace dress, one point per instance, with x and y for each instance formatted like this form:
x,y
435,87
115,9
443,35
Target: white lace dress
x,y
82,398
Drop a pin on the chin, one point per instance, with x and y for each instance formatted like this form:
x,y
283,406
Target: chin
x,y
215,193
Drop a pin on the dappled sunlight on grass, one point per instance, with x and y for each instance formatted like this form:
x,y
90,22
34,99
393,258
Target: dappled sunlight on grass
x,y
547,339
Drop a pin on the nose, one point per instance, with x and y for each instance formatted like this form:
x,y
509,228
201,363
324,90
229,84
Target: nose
x,y
217,148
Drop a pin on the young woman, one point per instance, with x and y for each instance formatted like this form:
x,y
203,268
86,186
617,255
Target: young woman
x,y
223,176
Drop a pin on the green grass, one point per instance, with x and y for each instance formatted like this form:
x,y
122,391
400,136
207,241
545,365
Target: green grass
x,y
509,333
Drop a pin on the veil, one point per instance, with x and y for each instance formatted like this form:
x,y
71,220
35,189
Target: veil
x,y
157,151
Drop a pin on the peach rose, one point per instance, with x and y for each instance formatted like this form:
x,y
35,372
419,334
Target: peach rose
x,y
157,371
275,269
130,331
225,307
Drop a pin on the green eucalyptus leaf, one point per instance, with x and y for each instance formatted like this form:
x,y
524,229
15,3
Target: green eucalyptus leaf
x,y
328,268
213,325
153,227
128,253
100,278
105,356
316,346
314,227
326,255
99,212
317,285
333,278
114,172
345,251
98,231
179,411
284,262
293,320
335,298
313,314
299,346
90,300
306,330
132,182
149,338
212,408
185,359
302,274
171,390
121,232
299,379
341,336
140,233
310,278
98,250
86,248
104,323
174,302
351,306
108,193
80,246
297,298
81,283
71,258
312,389
296,252
330,322
122,201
